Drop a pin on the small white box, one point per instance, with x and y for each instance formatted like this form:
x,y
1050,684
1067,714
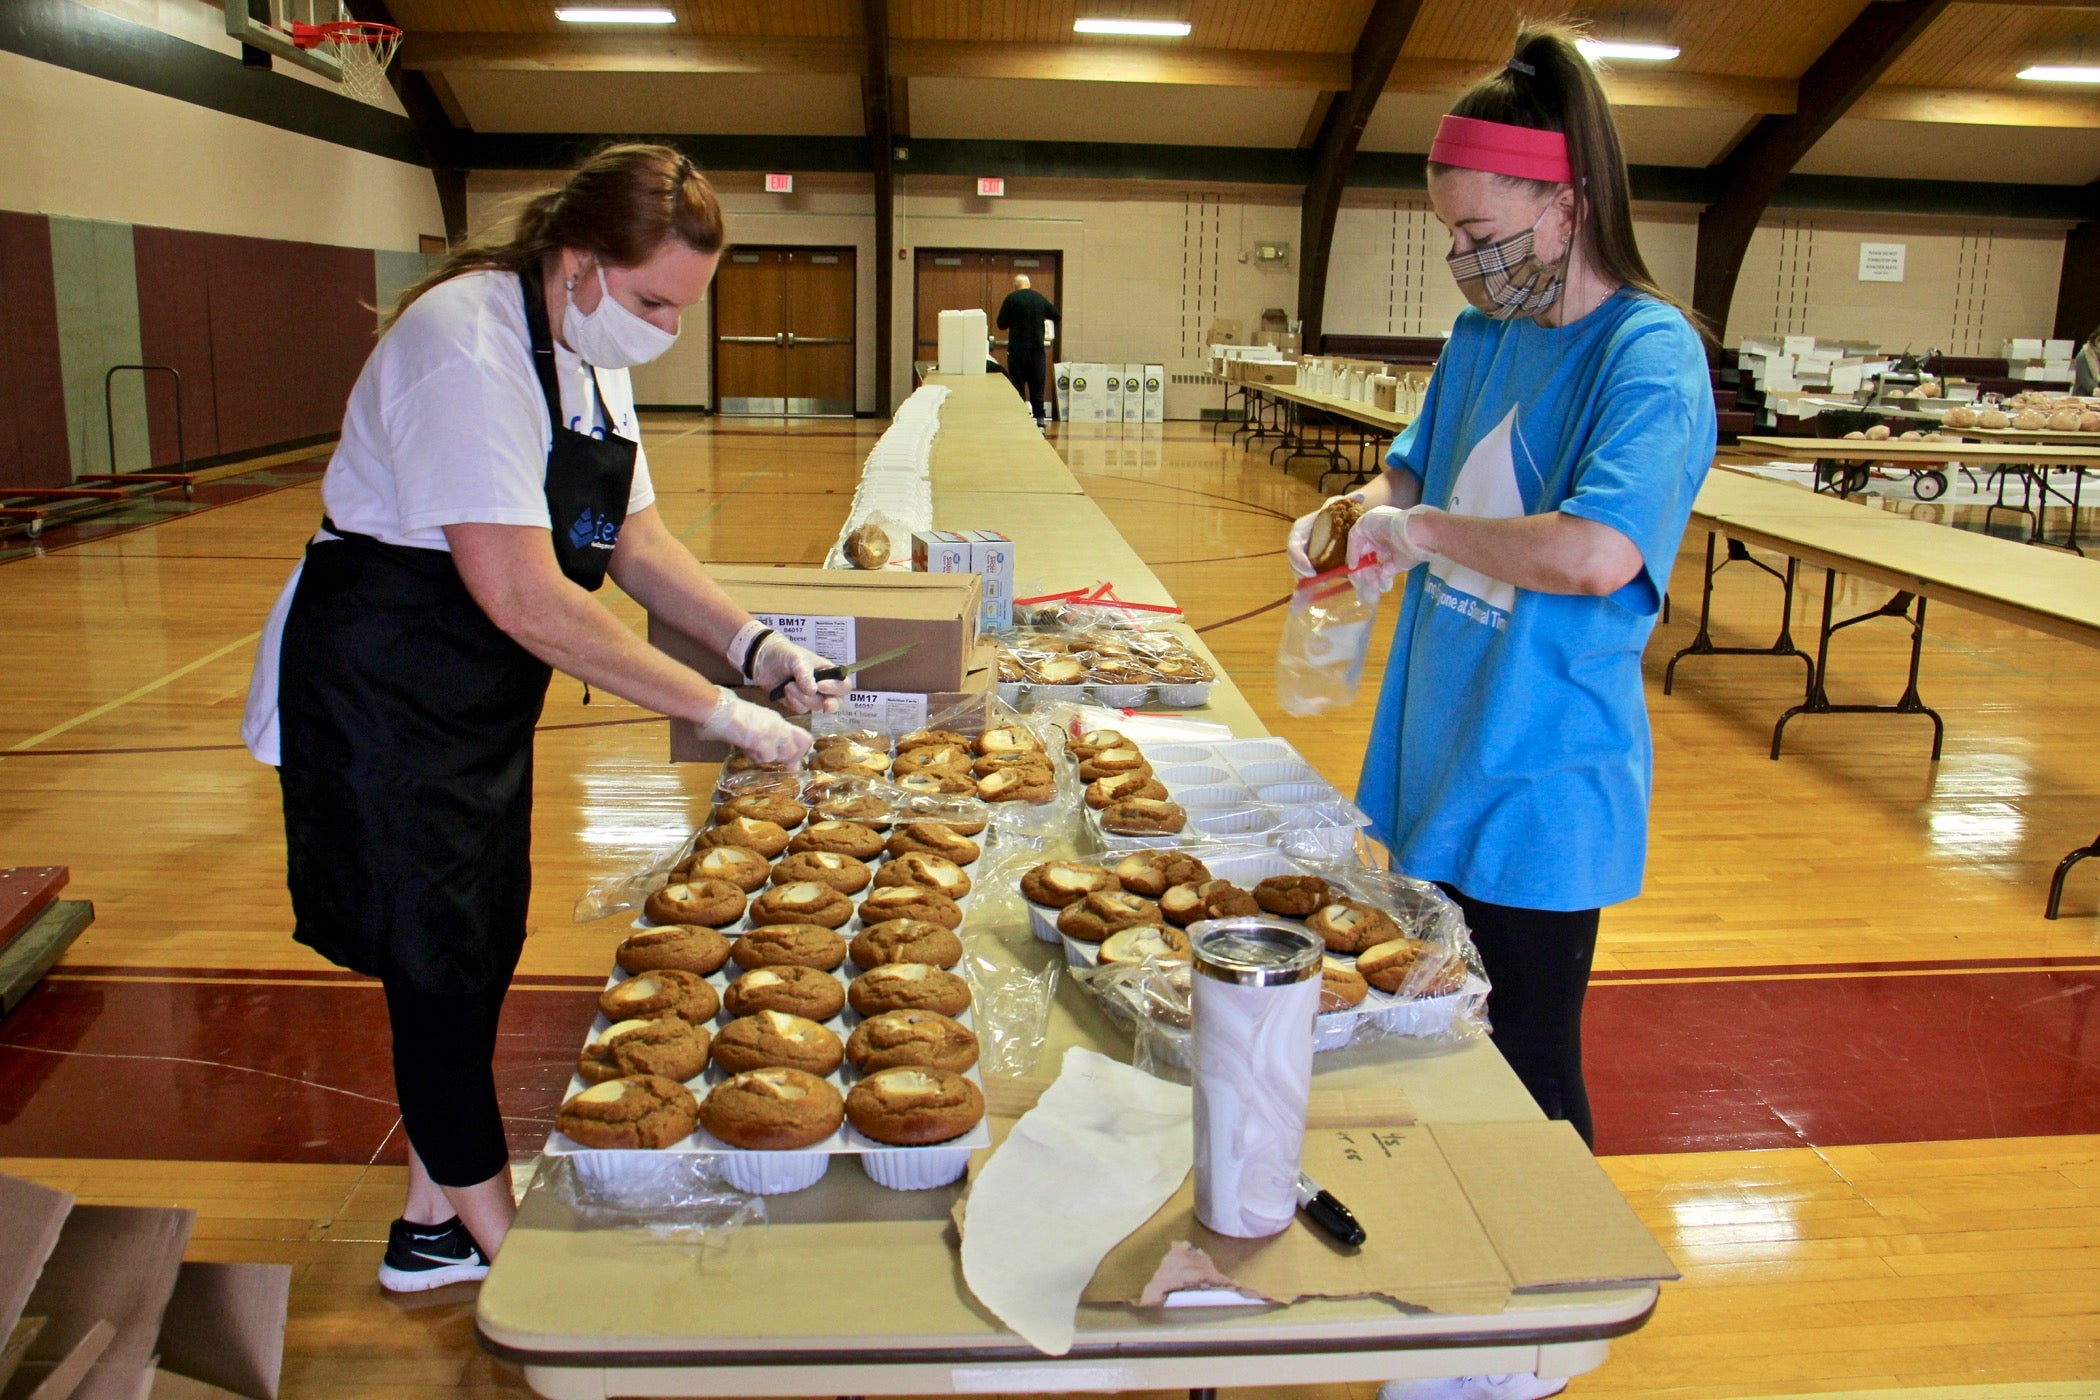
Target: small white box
x,y
1133,393
1155,393
1064,391
1087,393
962,341
1111,394
992,554
2023,349
2058,350
940,552
1797,345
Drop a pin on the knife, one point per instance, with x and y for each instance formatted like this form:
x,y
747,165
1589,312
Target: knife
x,y
839,670
1328,1213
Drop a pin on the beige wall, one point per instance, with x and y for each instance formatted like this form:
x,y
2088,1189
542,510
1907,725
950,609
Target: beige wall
x,y
1967,288
88,148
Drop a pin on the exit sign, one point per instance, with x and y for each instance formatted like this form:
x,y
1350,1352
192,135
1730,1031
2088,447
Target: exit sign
x,y
780,184
991,186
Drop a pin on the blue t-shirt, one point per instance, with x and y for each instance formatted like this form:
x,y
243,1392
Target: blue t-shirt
x,y
1510,753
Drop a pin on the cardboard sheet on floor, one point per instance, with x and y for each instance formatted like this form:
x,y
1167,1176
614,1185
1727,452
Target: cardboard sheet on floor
x,y
115,1264
30,1218
1458,1216
223,1332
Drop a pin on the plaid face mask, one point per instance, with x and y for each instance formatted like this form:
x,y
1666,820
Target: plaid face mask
x,y
1506,280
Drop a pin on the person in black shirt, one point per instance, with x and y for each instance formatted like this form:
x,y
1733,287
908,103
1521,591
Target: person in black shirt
x,y
1021,316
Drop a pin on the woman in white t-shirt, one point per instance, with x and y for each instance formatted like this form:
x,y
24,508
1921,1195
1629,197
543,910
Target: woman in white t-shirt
x,y
490,477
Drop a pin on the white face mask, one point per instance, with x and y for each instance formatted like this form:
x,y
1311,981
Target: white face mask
x,y
612,337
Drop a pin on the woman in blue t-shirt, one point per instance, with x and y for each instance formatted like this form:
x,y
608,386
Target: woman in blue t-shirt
x,y
1534,509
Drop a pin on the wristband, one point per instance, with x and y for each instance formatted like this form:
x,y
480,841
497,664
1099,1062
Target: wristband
x,y
743,647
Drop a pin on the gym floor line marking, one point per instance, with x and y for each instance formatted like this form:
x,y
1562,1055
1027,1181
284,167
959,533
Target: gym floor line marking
x,y
725,498
122,700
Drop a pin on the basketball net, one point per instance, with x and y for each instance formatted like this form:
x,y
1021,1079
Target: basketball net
x,y
363,49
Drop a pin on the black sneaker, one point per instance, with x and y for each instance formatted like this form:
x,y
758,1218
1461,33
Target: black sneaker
x,y
422,1257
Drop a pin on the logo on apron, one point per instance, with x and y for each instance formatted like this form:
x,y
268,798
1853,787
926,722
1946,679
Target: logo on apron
x,y
594,531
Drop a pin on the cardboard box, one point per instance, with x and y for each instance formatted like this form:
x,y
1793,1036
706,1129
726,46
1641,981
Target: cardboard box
x,y
845,613
1111,394
1064,391
892,711
1133,393
940,552
963,341
1290,342
1088,393
1226,331
1254,372
1155,394
992,559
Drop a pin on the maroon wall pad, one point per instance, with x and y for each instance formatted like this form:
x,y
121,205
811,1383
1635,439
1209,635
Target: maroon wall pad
x,y
175,329
269,336
33,449
289,332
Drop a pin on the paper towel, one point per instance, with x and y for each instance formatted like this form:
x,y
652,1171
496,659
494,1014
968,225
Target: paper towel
x,y
1101,1151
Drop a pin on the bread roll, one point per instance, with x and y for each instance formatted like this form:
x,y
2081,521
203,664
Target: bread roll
x,y
1910,435
2065,420
2029,420
1878,433
868,547
1855,436
1960,418
1993,418
2089,422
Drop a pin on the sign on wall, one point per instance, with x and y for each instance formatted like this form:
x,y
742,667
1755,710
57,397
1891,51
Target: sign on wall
x,y
780,184
1881,262
991,186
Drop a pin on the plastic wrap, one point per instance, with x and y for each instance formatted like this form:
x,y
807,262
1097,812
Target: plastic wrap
x,y
1012,1000
1326,638
679,1198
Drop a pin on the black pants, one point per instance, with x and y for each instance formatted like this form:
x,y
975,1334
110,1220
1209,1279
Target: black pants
x,y
445,1080
1538,963
1028,369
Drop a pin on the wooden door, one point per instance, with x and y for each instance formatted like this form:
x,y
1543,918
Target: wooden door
x,y
956,279
784,331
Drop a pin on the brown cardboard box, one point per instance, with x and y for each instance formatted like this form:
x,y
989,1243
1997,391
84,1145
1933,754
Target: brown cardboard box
x,y
880,610
1290,342
1267,372
1385,396
972,698
1226,331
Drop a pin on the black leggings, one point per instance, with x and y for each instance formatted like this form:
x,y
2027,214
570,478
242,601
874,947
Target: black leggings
x,y
1028,371
1538,964
445,1080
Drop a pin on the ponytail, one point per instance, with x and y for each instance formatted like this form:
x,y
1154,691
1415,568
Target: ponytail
x,y
622,205
1549,85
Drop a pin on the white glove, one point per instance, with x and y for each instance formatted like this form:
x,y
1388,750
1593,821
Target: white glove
x,y
758,731
1301,536
1380,550
780,660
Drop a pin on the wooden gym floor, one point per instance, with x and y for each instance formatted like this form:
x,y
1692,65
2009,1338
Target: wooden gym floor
x,y
1841,1064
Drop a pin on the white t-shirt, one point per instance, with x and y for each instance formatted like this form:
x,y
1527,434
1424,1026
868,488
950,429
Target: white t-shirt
x,y
447,424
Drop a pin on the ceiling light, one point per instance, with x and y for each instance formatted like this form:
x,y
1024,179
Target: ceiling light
x,y
1151,28
1595,49
615,16
2061,73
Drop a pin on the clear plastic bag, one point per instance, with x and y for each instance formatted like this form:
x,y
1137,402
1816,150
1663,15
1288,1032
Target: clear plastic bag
x,y
679,1197
1010,997
1326,638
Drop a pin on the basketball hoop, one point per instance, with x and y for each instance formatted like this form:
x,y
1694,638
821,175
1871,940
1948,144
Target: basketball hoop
x,y
363,49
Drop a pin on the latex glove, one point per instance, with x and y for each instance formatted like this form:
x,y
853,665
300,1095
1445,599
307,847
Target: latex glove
x,y
780,660
1301,536
1380,550
758,731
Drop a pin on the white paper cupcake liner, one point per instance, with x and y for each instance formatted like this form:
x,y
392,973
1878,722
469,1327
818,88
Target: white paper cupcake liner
x,y
630,1174
1236,822
1192,696
773,1173
916,1168
1243,751
1044,696
1042,921
1278,770
1218,797
1121,697
1011,692
1181,753
1191,775
1300,794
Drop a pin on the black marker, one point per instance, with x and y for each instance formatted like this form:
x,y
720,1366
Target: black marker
x,y
1328,1213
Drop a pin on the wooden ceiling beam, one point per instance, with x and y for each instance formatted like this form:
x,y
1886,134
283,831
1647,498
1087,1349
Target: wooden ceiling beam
x,y
1370,69
629,53
1760,163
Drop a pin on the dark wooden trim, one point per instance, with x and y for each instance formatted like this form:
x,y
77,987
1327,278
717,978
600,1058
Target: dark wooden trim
x,y
486,150
2078,286
876,95
1761,162
1370,66
86,40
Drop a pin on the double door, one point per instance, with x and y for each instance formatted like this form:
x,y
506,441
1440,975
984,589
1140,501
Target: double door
x,y
956,279
784,331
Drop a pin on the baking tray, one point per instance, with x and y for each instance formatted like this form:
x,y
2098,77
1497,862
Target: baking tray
x,y
1240,790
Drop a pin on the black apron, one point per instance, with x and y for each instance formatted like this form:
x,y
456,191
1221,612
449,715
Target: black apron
x,y
406,720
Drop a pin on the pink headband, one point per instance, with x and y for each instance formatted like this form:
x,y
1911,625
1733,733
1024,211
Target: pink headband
x,y
1522,151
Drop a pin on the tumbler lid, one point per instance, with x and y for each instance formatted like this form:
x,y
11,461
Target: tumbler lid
x,y
1255,952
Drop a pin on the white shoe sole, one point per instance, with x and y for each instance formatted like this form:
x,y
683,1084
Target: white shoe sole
x,y
423,1280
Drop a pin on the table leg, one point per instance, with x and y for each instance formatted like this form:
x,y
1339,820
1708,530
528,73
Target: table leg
x,y
2063,868
1703,643
1203,1395
1909,703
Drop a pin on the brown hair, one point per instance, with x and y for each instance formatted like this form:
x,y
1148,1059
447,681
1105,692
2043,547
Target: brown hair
x,y
1550,86
622,204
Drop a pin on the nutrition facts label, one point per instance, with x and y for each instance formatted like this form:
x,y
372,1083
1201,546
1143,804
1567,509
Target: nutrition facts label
x,y
829,637
887,711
